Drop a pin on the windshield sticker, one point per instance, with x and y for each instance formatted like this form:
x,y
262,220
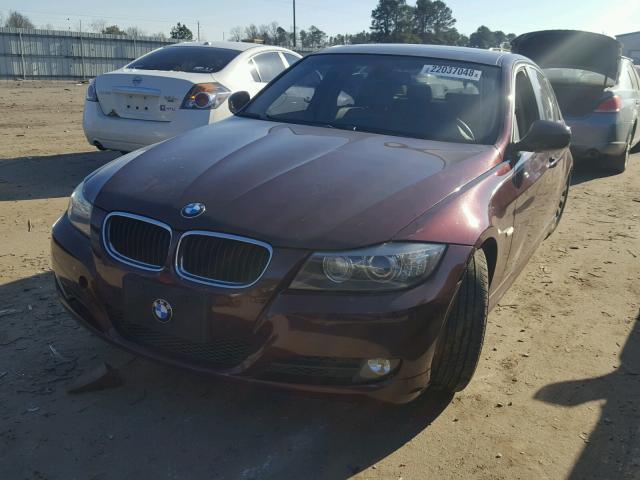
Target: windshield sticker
x,y
452,72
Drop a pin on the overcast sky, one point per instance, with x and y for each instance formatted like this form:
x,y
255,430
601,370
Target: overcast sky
x,y
333,16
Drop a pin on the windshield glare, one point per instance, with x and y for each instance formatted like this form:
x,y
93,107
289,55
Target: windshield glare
x,y
186,59
416,97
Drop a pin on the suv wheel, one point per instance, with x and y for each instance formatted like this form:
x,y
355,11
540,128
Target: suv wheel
x,y
618,164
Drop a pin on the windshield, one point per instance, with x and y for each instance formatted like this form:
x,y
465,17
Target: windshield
x,y
416,97
186,59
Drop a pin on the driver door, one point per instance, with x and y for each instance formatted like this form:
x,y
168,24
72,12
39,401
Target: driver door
x,y
532,176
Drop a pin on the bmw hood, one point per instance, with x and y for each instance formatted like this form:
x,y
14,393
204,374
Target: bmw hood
x,y
290,185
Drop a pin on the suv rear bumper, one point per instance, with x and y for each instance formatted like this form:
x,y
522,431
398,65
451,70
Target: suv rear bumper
x,y
598,134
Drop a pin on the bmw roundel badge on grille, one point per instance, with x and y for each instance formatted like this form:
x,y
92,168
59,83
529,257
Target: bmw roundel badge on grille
x,y
162,310
192,210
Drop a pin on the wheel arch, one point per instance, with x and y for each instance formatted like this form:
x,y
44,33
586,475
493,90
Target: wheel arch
x,y
490,248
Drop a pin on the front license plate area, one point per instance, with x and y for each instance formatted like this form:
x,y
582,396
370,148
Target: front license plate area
x,y
166,309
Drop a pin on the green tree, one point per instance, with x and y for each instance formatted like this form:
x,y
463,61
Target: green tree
x,y
113,30
339,39
181,32
391,21
357,38
483,37
442,19
423,17
282,37
18,20
305,39
317,37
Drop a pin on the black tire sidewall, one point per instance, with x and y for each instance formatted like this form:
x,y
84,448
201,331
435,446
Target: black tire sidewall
x,y
462,336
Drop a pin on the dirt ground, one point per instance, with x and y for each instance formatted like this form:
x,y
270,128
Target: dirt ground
x,y
556,395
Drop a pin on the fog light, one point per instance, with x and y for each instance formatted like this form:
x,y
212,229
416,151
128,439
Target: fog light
x,y
378,367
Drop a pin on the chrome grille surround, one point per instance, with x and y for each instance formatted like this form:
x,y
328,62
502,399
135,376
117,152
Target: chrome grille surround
x,y
128,260
182,273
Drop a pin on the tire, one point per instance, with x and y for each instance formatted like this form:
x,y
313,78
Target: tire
x,y
618,164
460,343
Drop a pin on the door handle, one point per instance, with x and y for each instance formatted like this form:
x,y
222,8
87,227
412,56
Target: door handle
x,y
553,162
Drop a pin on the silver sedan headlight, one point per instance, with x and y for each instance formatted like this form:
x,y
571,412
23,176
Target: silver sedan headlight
x,y
79,210
390,266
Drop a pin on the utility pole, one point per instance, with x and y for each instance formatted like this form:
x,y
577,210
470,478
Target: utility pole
x,y
294,23
198,30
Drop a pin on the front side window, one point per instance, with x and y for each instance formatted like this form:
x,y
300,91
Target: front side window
x,y
416,97
526,110
186,59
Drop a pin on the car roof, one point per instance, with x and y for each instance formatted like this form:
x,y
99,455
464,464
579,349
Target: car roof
x,y
239,46
463,54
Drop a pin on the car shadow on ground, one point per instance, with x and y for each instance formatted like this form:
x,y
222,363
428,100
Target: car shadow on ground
x,y
613,448
168,423
585,170
54,176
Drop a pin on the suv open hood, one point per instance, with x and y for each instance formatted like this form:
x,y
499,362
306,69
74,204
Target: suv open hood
x,y
571,49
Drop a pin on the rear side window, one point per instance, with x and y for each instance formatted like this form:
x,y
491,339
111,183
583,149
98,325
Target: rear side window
x,y
634,75
625,82
269,65
190,59
291,59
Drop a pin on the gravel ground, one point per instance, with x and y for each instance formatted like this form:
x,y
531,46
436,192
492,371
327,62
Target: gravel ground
x,y
555,396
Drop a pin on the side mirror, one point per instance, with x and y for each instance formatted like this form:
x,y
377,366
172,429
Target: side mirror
x,y
238,100
543,136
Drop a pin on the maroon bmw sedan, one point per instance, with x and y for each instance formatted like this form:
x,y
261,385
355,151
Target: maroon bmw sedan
x,y
347,231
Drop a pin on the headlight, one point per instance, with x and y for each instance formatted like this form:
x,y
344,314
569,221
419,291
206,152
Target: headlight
x,y
92,95
390,266
205,96
79,211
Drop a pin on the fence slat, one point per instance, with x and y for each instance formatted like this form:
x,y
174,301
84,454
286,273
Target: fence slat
x,y
67,55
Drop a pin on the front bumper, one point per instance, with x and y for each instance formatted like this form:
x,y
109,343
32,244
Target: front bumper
x,y
287,339
116,133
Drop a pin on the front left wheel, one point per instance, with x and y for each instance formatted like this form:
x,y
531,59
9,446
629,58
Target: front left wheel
x,y
460,343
